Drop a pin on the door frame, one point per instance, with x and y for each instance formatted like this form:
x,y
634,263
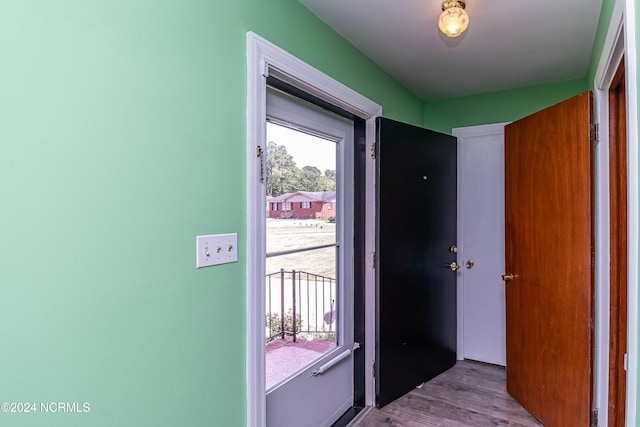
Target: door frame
x,y
461,133
621,28
264,59
618,249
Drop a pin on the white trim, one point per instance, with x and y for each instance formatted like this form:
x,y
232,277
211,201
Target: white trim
x,y
620,40
255,240
370,260
612,53
602,250
480,130
612,50
633,216
264,57
466,132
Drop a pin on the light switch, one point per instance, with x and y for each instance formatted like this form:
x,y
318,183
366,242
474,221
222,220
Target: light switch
x,y
216,249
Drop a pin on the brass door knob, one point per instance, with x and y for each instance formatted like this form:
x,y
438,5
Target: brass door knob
x,y
470,263
454,266
507,277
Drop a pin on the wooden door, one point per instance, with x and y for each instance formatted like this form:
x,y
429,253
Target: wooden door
x,y
549,250
416,227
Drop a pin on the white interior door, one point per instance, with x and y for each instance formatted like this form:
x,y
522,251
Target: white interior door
x,y
481,297
309,239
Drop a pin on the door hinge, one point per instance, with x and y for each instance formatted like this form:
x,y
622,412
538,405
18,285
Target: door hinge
x,y
264,67
595,133
594,418
373,261
373,150
373,369
260,155
626,362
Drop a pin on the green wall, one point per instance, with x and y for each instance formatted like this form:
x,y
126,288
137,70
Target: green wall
x,y
601,35
122,137
496,107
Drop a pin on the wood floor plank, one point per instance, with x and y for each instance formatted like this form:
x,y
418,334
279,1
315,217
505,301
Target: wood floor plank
x,y
470,394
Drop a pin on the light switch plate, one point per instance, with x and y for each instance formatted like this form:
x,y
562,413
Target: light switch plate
x,y
215,249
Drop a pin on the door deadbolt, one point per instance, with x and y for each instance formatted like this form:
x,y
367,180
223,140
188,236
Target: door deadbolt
x,y
507,277
470,263
453,249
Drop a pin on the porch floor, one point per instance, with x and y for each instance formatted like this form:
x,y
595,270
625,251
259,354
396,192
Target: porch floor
x,y
285,357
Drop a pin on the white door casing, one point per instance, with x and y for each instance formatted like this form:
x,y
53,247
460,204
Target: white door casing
x,y
264,58
622,29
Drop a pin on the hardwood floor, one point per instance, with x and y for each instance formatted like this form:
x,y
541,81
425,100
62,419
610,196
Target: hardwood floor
x,y
469,394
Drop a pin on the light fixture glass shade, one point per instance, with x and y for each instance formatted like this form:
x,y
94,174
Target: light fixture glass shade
x,y
454,20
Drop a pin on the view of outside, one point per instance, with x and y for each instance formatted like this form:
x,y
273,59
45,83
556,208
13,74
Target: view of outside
x,y
298,162
300,171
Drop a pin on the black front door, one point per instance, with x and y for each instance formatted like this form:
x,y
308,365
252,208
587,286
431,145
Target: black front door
x,y
416,228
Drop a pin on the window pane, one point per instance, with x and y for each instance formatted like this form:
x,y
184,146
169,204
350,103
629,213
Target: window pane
x,y
301,287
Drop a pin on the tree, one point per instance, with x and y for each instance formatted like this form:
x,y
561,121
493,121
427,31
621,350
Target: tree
x,y
327,184
329,180
310,179
279,168
283,176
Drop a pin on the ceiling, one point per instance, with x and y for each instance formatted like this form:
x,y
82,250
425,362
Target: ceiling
x,y
508,44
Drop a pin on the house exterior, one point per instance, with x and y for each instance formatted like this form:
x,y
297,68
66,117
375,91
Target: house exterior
x,y
303,205
123,137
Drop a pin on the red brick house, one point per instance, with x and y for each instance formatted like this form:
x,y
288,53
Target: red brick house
x,y
303,205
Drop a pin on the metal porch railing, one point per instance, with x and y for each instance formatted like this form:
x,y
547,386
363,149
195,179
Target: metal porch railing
x,y
300,303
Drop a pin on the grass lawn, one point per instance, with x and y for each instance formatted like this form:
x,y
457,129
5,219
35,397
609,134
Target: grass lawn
x,y
287,234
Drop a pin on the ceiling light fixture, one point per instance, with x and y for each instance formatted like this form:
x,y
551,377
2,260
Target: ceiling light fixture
x,y
454,19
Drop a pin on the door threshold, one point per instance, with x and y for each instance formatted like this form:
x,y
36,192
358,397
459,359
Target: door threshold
x,y
355,414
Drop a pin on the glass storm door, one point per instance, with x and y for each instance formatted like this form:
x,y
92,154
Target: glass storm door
x,y
308,263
